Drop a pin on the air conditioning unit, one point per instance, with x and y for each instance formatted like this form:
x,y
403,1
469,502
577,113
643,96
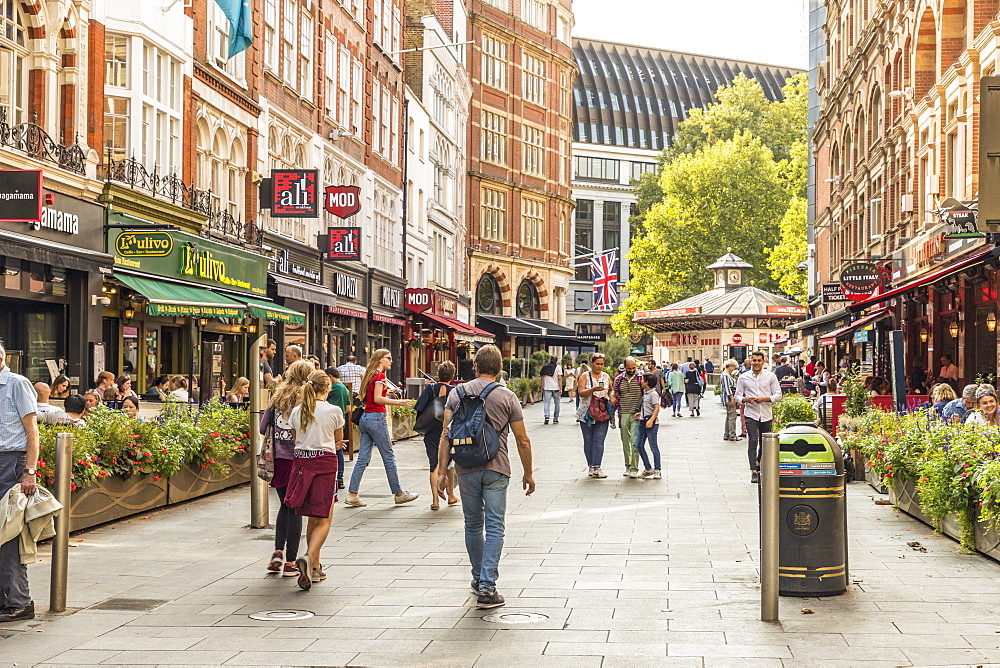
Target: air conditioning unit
x,y
906,203
933,184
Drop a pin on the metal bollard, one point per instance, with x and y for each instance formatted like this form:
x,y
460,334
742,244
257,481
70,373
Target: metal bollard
x,y
259,514
769,483
60,542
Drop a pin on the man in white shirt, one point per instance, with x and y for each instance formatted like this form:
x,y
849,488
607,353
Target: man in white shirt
x,y
46,413
551,388
756,391
351,373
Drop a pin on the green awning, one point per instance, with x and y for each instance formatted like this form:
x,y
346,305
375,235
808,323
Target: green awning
x,y
173,299
262,308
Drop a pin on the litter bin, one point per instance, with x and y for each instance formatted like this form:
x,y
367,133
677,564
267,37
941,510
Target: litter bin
x,y
812,557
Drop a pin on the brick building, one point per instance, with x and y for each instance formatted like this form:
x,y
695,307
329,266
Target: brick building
x,y
519,199
896,140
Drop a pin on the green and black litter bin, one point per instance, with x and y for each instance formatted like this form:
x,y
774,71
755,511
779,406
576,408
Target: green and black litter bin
x,y
813,541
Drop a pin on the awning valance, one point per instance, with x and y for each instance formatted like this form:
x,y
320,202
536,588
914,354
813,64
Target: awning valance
x,y
263,308
462,330
831,338
43,251
304,292
175,299
807,326
502,326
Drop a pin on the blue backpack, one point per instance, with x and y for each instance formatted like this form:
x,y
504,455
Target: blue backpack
x,y
473,440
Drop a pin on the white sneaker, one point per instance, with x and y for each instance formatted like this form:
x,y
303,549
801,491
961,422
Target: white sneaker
x,y
648,473
633,474
598,473
590,471
405,497
657,475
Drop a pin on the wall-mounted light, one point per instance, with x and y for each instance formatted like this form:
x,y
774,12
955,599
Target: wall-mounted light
x,y
953,329
251,329
128,313
202,321
991,322
923,334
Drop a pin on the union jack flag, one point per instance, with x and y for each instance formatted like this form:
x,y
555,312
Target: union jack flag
x,y
604,270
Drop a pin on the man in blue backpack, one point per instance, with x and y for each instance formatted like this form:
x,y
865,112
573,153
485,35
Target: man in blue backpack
x,y
488,412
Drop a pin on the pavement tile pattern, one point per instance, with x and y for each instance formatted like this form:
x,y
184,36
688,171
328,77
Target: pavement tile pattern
x,y
627,572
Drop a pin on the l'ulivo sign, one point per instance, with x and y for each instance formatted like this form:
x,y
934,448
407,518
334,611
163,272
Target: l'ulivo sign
x,y
174,254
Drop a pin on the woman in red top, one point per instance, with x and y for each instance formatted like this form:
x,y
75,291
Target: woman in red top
x,y
374,428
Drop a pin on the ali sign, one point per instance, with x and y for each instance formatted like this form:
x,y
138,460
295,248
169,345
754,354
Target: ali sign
x,y
342,201
342,243
294,194
860,280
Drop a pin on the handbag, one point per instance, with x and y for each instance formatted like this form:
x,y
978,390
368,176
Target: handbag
x,y
357,410
598,408
265,458
432,416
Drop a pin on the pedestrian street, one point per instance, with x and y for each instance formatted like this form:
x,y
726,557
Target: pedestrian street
x,y
624,572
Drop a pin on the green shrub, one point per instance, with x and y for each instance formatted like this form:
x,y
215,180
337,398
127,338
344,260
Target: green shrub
x,y
521,367
466,370
857,395
616,349
542,357
792,408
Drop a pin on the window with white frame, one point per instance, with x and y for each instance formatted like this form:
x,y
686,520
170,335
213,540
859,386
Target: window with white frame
x,y
330,77
305,57
440,259
271,35
376,117
386,119
394,131
356,92
387,31
116,60
532,223
534,150
564,95
564,27
218,51
533,79
441,108
288,24
116,126
159,106
384,253
13,73
494,63
533,13
344,88
494,138
493,222
499,4
377,20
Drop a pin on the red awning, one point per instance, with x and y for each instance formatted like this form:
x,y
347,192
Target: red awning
x,y
931,277
831,338
457,325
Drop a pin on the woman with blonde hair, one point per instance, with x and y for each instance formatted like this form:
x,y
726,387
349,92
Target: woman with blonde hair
x,y
240,391
318,430
986,402
941,395
288,525
374,428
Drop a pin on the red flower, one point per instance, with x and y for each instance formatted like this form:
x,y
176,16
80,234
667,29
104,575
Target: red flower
x,y
204,466
214,434
156,477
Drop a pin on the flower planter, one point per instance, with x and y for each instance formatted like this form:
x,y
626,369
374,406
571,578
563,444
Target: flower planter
x,y
192,481
907,498
113,498
403,429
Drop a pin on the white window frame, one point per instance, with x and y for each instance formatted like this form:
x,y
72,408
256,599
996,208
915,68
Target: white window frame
x,y
533,81
533,150
271,35
493,216
535,14
306,73
493,128
532,223
494,64
289,23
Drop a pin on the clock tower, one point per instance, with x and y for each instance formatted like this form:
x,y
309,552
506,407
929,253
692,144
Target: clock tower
x,y
729,271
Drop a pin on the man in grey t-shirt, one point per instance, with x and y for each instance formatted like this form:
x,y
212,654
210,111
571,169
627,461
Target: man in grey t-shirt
x,y
484,488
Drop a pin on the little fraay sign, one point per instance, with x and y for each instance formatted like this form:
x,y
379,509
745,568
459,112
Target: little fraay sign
x,y
860,280
294,193
341,243
342,201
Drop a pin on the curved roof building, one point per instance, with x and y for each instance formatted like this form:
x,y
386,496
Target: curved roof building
x,y
635,96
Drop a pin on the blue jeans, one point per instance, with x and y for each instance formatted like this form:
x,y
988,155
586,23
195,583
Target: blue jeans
x,y
13,574
375,433
593,441
484,504
551,396
677,402
643,434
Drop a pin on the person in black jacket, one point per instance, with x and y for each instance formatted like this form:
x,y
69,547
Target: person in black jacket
x,y
432,439
694,388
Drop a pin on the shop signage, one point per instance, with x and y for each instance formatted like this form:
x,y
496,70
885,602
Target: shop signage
x,y
667,312
737,338
391,297
860,280
342,201
388,319
20,195
419,300
795,310
962,220
684,339
58,220
862,336
349,312
833,292
285,266
294,193
175,254
447,306
346,286
592,337
931,250
342,243
770,337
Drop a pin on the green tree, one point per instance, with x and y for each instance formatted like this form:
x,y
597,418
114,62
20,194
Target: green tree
x,y
615,349
729,194
784,259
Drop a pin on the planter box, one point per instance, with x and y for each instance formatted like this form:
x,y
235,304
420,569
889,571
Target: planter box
x,y
113,498
907,499
403,429
191,482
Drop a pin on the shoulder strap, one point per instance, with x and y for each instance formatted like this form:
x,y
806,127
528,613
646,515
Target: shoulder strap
x,y
489,388
442,386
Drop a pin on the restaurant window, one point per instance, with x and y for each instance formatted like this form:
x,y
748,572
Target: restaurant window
x,y
528,305
488,295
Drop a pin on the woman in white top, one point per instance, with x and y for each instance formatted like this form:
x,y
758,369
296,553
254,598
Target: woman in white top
x,y
179,391
318,431
590,386
986,398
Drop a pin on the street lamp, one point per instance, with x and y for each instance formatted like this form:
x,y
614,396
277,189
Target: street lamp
x,y
953,329
923,334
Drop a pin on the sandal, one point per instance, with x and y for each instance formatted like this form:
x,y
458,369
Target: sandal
x,y
435,506
453,503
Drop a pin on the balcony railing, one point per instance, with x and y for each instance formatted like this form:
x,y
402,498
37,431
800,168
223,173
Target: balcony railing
x,y
32,140
223,226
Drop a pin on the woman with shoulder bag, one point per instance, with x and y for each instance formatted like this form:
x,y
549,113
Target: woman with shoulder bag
x,y
288,525
594,413
434,396
374,429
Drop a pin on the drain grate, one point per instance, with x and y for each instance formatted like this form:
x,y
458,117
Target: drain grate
x,y
129,604
281,615
515,618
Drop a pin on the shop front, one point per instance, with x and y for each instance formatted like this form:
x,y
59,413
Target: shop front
x,y
434,332
387,321
346,327
296,280
51,278
188,306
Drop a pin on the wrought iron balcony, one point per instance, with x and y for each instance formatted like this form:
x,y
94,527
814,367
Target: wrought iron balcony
x,y
134,174
32,140
224,227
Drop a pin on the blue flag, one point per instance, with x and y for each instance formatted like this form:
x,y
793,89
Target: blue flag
x,y
240,24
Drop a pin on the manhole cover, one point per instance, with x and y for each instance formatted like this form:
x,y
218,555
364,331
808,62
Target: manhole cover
x,y
281,615
129,604
515,618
